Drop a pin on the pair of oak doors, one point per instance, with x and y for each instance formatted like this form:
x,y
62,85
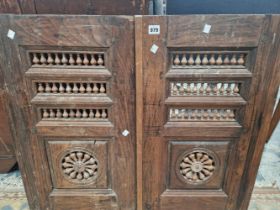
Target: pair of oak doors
x,y
144,112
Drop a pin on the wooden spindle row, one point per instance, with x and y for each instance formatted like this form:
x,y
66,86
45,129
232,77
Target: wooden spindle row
x,y
72,59
184,59
62,87
74,113
204,88
202,114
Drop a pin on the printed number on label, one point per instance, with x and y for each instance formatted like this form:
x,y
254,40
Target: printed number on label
x,y
154,29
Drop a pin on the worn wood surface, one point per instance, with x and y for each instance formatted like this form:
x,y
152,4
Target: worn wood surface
x,y
86,7
96,129
268,64
139,108
180,36
7,156
274,121
203,104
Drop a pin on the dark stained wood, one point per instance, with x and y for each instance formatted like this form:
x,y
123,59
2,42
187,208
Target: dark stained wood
x,y
201,200
86,7
164,125
44,137
239,31
10,6
274,121
18,113
201,128
269,79
139,109
7,156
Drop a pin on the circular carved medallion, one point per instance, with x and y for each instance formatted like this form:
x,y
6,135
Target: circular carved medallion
x,y
197,166
79,166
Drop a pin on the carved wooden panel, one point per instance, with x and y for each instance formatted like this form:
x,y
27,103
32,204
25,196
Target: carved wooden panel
x,y
74,105
198,101
197,164
78,164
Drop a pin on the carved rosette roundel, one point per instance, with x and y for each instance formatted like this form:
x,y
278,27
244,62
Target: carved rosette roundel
x,y
197,167
79,166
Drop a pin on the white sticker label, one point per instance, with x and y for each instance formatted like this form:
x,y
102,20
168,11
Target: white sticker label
x,y
125,133
154,29
206,29
11,34
154,48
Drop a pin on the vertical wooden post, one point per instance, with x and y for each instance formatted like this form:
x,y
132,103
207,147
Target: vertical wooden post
x,y
139,107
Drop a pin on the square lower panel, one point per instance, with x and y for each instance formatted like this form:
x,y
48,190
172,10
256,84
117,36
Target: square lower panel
x,y
197,164
78,164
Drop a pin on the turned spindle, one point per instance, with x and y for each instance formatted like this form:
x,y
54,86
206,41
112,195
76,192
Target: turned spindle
x,y
78,114
65,114
212,60
72,113
75,88
52,113
208,89
61,88
100,60
68,88
95,88
58,113
50,59
82,88
188,89
47,88
79,60
43,60
45,113
85,114
176,60
197,60
88,88
219,60
57,59
102,88
181,90
64,60
85,60
54,88
240,60
194,90
35,59
104,114
40,88
71,59
184,60
92,60
191,60
236,89
205,59
91,114
97,114
226,60
201,89
233,60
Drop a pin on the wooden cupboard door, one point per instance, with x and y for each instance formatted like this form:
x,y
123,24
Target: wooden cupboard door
x,y
73,91
201,75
